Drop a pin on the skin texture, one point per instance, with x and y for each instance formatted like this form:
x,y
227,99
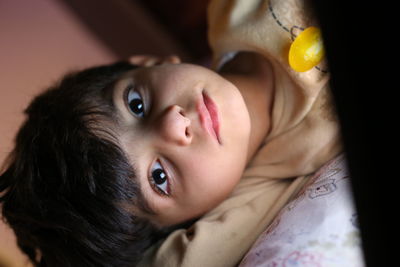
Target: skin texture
x,y
168,138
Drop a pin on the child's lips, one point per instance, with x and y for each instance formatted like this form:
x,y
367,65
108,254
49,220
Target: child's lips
x,y
208,113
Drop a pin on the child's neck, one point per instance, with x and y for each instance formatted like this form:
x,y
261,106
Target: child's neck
x,y
252,74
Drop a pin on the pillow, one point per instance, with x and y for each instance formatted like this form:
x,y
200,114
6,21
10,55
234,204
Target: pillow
x,y
317,228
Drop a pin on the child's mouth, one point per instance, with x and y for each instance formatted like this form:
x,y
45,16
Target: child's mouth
x,y
208,113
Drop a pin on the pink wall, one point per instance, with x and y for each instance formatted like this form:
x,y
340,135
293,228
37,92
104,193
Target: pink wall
x,y
39,40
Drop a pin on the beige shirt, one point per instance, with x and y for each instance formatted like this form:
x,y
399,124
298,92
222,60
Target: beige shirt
x,y
304,135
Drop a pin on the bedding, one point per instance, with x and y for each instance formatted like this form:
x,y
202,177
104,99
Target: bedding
x,y
317,228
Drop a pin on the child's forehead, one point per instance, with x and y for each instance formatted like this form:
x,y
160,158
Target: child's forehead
x,y
137,72
140,74
129,73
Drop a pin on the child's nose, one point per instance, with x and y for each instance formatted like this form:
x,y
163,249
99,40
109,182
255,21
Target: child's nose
x,y
174,126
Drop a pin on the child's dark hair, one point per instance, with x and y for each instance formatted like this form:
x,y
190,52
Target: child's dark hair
x,y
67,185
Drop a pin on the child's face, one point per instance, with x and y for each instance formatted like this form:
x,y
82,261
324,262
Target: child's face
x,y
182,168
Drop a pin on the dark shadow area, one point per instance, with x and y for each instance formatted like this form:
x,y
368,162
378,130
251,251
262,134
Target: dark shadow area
x,y
185,20
359,40
160,27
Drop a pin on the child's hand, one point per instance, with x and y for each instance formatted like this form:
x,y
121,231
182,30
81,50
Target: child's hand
x,y
149,60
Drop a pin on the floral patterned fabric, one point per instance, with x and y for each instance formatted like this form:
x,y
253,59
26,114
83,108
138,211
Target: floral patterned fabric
x,y
316,229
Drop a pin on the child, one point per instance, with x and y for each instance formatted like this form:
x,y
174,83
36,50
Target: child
x,y
114,157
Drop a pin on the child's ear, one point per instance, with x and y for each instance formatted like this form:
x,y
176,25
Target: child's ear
x,y
149,60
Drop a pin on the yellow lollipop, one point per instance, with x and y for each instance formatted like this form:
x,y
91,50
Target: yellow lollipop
x,y
307,50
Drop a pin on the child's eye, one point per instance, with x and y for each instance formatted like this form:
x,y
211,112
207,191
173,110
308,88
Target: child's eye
x,y
135,103
159,179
